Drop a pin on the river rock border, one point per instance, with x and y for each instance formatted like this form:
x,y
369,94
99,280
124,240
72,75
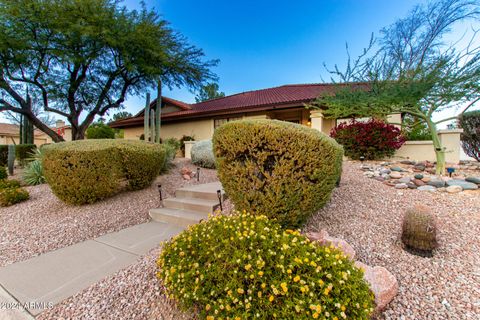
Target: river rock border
x,y
421,176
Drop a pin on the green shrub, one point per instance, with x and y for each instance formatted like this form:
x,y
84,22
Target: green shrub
x,y
100,131
3,173
141,162
3,155
470,123
86,171
6,184
171,146
202,154
247,267
10,196
23,152
278,169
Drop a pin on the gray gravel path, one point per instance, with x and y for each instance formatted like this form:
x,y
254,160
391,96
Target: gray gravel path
x,y
368,215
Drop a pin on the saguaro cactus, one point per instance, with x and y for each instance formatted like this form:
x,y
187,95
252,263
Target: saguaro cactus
x,y
146,118
11,158
152,118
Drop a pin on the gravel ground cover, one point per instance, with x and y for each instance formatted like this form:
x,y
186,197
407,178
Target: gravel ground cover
x,y
44,223
368,215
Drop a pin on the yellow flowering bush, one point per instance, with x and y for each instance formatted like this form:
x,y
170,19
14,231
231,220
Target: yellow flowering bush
x,y
247,267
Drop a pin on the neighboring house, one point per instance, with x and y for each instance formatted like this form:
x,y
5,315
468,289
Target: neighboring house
x,y
285,103
10,133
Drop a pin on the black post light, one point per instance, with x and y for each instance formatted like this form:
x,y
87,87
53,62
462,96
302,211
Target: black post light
x,y
159,186
362,158
219,195
198,173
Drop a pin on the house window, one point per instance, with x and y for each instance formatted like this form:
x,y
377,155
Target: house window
x,y
218,122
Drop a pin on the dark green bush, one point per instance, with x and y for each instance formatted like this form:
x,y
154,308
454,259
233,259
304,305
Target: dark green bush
x,y
246,267
86,171
3,173
470,123
10,196
5,184
100,131
3,155
23,152
282,170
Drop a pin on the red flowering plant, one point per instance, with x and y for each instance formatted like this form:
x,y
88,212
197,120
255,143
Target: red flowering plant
x,y
373,139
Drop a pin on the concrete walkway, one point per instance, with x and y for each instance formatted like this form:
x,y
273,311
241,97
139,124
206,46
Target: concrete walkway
x,y
41,282
29,287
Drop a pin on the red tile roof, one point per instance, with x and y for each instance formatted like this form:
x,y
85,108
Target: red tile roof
x,y
10,129
264,99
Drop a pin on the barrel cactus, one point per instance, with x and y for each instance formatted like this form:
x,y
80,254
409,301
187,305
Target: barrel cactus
x,y
419,230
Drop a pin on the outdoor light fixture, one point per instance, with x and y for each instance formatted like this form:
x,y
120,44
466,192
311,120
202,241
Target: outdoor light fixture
x,y
219,195
198,173
159,186
450,171
362,158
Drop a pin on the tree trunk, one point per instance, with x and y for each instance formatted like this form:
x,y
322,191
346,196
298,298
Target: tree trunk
x,y
78,133
44,128
439,150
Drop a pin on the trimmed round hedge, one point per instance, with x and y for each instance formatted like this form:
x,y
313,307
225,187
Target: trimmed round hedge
x,y
246,267
275,168
85,171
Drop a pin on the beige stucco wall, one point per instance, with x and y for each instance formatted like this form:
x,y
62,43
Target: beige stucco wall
x,y
200,129
424,150
416,150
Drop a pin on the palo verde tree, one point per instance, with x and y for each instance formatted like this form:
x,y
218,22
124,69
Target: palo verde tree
x,y
208,92
410,70
84,57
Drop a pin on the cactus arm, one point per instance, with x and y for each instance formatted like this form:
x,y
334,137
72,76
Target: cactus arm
x,y
146,116
158,113
11,158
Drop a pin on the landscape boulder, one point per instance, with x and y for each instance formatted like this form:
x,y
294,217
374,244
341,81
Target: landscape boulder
x,y
383,284
324,239
473,179
462,183
454,189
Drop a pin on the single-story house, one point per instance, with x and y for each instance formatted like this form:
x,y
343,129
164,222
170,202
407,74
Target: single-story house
x,y
10,133
286,103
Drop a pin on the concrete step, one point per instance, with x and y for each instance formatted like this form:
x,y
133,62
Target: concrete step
x,y
177,217
207,191
191,204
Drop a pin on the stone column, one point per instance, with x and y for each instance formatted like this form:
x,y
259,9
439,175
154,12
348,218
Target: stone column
x,y
188,148
451,142
316,117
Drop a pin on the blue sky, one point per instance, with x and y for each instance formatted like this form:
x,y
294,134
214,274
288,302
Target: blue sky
x,y
263,44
